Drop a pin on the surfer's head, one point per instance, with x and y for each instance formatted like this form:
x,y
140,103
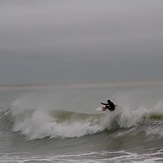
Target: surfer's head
x,y
108,101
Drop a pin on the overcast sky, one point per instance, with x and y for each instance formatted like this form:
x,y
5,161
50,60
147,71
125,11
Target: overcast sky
x,y
80,41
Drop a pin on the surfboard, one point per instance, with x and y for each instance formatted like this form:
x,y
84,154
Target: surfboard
x,y
99,109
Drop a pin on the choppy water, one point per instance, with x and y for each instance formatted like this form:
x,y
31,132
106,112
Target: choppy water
x,y
60,124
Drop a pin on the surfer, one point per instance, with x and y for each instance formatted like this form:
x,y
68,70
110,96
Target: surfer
x,y
109,105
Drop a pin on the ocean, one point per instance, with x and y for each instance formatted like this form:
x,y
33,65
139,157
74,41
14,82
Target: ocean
x,y
59,124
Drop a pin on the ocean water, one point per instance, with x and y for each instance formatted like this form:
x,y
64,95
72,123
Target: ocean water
x,y
46,124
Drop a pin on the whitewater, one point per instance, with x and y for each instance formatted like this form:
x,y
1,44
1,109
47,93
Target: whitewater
x,y
60,123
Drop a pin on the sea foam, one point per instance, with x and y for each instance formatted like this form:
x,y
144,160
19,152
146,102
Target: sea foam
x,y
37,123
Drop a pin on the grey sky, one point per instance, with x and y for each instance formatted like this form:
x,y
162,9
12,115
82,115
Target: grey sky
x,y
76,41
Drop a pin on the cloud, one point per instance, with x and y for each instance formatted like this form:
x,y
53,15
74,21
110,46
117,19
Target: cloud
x,y
81,40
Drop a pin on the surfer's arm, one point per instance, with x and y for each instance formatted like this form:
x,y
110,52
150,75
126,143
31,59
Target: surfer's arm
x,y
103,103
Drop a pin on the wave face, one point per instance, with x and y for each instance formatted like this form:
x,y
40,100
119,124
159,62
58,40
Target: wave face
x,y
41,123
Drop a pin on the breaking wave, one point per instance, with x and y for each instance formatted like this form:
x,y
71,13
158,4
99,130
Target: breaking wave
x,y
41,123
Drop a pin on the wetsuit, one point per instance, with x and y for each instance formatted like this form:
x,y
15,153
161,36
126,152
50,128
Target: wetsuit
x,y
109,105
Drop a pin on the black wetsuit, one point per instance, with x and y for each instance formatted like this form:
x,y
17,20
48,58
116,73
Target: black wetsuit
x,y
109,105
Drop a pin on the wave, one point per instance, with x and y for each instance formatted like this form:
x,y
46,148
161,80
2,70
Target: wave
x,y
41,123
36,124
